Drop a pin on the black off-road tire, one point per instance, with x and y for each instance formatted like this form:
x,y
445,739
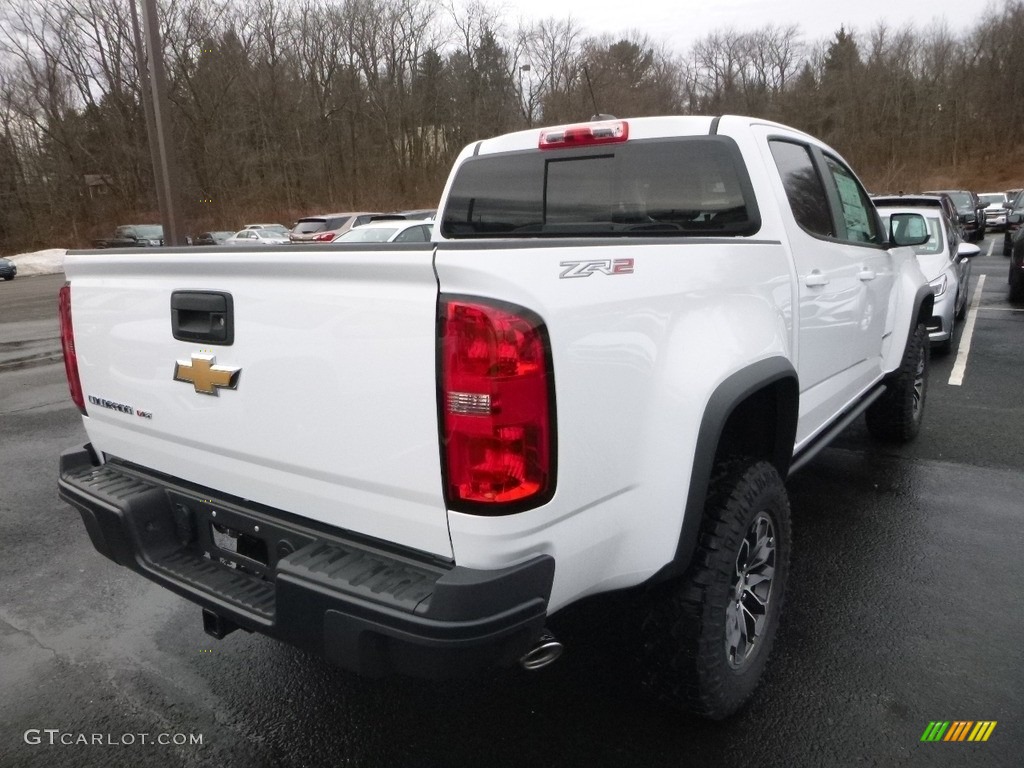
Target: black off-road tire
x,y
896,416
686,633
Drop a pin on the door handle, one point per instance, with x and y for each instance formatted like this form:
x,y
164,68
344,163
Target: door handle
x,y
867,274
815,279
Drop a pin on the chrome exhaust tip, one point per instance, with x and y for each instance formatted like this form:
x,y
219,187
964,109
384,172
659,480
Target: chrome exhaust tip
x,y
546,651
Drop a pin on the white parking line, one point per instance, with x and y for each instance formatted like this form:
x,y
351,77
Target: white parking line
x,y
991,247
956,376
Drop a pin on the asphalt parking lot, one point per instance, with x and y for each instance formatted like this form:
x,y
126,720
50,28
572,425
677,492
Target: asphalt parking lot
x,y
904,608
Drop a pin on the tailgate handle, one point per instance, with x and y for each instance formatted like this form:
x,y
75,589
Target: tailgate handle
x,y
206,317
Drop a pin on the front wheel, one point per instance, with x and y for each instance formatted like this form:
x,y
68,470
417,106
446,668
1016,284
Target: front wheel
x,y
707,637
896,416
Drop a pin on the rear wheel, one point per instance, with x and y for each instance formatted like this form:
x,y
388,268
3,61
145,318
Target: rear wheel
x,y
896,416
707,637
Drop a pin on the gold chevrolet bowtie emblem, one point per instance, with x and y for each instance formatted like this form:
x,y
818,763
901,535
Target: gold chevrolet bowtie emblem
x,y
206,377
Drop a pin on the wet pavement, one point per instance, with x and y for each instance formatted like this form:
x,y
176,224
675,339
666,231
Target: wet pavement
x,y
29,330
904,607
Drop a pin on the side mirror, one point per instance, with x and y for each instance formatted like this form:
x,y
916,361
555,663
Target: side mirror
x,y
1015,218
967,250
908,229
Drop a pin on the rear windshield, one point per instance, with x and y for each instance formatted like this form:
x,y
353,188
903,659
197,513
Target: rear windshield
x,y
336,222
662,187
309,226
962,199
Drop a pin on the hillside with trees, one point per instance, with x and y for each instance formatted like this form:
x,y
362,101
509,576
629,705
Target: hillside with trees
x,y
286,107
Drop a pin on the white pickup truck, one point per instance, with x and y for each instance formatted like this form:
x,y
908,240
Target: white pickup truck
x,y
624,335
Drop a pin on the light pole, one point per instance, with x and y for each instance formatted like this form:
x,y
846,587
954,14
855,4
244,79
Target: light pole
x,y
527,108
158,123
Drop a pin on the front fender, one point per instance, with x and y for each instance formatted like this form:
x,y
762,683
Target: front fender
x,y
912,304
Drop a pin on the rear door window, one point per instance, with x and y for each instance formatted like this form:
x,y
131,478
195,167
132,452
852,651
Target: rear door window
x,y
806,193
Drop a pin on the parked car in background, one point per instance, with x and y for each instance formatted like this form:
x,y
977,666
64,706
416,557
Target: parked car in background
x,y
280,227
1014,216
8,269
969,210
389,231
211,238
133,236
927,199
1016,278
419,213
980,208
258,237
995,209
326,227
945,260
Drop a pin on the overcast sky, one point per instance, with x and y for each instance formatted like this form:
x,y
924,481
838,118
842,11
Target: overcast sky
x,y
681,22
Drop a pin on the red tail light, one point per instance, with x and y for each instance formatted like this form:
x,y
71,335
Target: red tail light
x,y
497,403
326,237
67,343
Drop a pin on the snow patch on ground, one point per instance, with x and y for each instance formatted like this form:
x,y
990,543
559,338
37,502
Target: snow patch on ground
x,y
48,262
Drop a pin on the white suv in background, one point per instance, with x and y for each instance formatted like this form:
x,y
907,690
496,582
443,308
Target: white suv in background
x,y
995,209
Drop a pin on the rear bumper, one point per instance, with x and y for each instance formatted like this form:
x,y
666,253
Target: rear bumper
x,y
360,604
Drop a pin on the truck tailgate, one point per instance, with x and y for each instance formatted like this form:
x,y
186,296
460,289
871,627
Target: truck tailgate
x,y
334,416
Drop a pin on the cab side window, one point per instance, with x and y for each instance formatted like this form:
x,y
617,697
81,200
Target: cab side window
x,y
806,193
858,212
